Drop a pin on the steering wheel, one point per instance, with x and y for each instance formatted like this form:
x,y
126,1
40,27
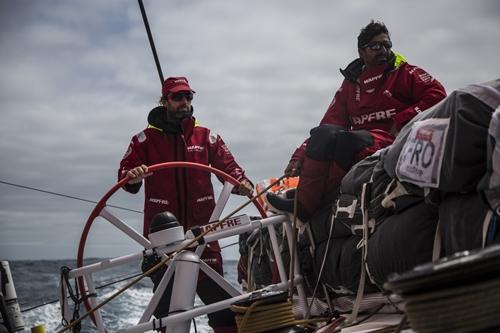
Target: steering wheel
x,y
100,210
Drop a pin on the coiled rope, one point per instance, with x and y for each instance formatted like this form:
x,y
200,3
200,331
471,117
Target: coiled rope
x,y
471,307
458,293
262,317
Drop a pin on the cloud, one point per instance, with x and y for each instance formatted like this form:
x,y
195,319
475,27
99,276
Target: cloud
x,y
78,80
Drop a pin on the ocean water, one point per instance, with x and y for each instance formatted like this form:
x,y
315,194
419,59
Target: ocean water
x,y
37,282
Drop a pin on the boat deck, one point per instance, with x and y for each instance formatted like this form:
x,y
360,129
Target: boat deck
x,y
377,323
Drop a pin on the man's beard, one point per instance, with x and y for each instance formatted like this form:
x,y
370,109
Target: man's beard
x,y
382,59
183,112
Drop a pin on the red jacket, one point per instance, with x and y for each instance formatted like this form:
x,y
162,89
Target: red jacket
x,y
187,193
377,98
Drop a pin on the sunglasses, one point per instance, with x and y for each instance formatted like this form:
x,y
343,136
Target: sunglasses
x,y
375,46
179,96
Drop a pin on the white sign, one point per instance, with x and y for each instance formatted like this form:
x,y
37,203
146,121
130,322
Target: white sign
x,y
422,155
230,223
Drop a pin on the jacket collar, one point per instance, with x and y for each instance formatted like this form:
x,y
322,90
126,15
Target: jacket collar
x,y
356,67
158,120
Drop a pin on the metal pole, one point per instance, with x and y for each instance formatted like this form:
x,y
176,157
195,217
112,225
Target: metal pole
x,y
151,42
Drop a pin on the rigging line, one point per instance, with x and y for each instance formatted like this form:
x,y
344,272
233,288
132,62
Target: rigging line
x,y
228,245
66,196
151,42
105,285
323,262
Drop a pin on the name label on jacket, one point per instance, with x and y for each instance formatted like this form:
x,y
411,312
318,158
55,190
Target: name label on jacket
x,y
374,116
195,149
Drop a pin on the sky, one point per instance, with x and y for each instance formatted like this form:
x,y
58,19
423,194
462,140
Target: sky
x,y
78,80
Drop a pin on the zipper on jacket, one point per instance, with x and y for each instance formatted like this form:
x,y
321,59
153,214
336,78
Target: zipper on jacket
x,y
184,172
181,179
177,183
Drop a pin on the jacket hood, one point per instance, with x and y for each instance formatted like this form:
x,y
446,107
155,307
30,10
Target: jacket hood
x,y
355,68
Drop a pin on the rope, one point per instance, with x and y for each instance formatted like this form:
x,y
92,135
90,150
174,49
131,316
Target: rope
x,y
263,317
75,298
228,245
364,243
471,307
320,274
65,196
105,285
169,257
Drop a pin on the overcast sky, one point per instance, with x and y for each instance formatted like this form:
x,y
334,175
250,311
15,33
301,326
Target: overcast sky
x,y
77,80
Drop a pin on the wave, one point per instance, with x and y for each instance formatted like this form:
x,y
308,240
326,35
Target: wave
x,y
41,287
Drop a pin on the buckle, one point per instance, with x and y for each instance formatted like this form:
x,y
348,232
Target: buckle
x,y
350,210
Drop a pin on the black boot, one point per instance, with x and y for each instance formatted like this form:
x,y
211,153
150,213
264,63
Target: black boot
x,y
280,205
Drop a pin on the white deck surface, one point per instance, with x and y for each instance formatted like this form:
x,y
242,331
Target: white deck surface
x,y
376,322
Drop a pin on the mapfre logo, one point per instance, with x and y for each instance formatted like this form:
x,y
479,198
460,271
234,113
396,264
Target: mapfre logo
x,y
425,77
234,221
158,201
369,117
206,198
371,79
195,149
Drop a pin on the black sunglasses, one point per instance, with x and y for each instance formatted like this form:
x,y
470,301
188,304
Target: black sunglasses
x,y
179,96
375,46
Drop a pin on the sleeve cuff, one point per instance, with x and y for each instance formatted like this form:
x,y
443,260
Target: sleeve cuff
x,y
132,188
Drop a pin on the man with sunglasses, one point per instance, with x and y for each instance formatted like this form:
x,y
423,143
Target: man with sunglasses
x,y
174,135
380,93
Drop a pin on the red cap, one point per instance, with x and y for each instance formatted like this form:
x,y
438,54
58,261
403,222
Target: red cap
x,y
175,84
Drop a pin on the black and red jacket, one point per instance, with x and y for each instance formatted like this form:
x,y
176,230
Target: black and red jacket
x,y
187,193
380,97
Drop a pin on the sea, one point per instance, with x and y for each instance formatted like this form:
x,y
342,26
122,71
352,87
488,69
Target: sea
x,y
36,283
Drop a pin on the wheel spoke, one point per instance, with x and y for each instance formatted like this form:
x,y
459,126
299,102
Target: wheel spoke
x,y
223,283
89,281
107,215
157,295
222,201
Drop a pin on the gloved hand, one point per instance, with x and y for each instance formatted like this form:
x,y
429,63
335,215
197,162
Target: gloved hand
x,y
293,168
323,141
245,188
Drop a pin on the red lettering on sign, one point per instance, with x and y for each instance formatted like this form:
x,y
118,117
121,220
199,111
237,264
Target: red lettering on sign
x,y
424,134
